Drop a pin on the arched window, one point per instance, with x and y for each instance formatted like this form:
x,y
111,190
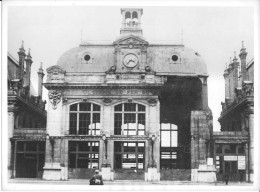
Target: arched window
x,y
84,119
134,15
129,119
127,15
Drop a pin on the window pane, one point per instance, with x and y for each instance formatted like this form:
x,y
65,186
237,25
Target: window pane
x,y
96,107
174,139
20,146
84,121
31,146
83,146
83,163
41,146
72,146
141,108
174,127
85,107
73,107
165,126
118,107
96,117
130,107
72,161
73,123
129,118
165,138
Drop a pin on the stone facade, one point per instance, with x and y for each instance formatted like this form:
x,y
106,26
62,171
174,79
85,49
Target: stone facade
x,y
234,145
131,109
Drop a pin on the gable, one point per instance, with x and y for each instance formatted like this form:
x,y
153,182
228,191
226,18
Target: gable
x,y
130,39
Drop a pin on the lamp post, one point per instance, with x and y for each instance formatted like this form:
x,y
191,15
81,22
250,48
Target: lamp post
x,y
104,138
152,139
52,145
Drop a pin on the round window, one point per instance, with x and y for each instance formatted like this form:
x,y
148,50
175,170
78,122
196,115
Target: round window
x,y
175,58
87,57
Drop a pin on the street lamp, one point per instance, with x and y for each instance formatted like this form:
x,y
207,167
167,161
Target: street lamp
x,y
104,138
152,139
52,144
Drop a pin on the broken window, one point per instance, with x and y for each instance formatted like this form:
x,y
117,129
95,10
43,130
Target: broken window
x,y
129,155
84,119
169,144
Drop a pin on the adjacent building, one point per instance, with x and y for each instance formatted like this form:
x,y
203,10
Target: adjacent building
x,y
26,119
234,145
134,110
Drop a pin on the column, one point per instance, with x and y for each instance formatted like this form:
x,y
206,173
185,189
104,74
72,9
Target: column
x,y
52,168
11,124
251,148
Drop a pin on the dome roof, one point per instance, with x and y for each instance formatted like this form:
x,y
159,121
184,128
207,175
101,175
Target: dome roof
x,y
163,59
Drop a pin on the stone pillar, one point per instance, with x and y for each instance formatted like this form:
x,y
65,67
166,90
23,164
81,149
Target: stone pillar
x,y
247,161
107,147
52,167
153,171
204,94
200,133
11,124
251,147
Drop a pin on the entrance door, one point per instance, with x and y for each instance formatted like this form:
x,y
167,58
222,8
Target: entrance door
x,y
30,159
129,160
26,167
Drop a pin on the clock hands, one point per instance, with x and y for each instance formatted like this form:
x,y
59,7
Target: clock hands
x,y
130,61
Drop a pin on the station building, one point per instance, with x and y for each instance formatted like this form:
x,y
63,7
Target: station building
x,y
133,110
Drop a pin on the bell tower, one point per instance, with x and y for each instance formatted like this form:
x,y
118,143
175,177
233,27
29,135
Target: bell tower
x,y
131,22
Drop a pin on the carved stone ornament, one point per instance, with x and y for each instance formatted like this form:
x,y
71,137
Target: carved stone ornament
x,y
54,98
152,101
55,73
107,101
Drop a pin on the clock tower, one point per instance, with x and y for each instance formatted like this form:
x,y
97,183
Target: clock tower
x,y
131,21
130,48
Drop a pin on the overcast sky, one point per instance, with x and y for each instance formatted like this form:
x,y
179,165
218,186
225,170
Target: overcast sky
x,y
215,32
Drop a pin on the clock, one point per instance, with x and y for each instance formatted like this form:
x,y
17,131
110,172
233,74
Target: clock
x,y
130,60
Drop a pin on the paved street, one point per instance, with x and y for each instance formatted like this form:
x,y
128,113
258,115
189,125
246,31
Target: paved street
x,y
121,182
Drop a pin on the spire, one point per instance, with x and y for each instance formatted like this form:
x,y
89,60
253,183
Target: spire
x,y
40,69
22,47
235,58
29,54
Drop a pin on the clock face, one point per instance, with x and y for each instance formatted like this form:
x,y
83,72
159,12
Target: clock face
x,y
130,60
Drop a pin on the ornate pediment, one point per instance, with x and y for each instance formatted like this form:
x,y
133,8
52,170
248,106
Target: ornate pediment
x,y
131,41
56,74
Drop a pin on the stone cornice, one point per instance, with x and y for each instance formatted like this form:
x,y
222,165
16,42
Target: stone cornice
x,y
235,106
100,86
17,98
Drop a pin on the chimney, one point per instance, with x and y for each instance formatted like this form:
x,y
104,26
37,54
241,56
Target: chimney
x,y
226,77
27,77
40,81
242,55
20,71
235,72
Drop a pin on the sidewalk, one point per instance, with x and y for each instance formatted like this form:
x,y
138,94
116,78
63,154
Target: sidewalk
x,y
120,182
